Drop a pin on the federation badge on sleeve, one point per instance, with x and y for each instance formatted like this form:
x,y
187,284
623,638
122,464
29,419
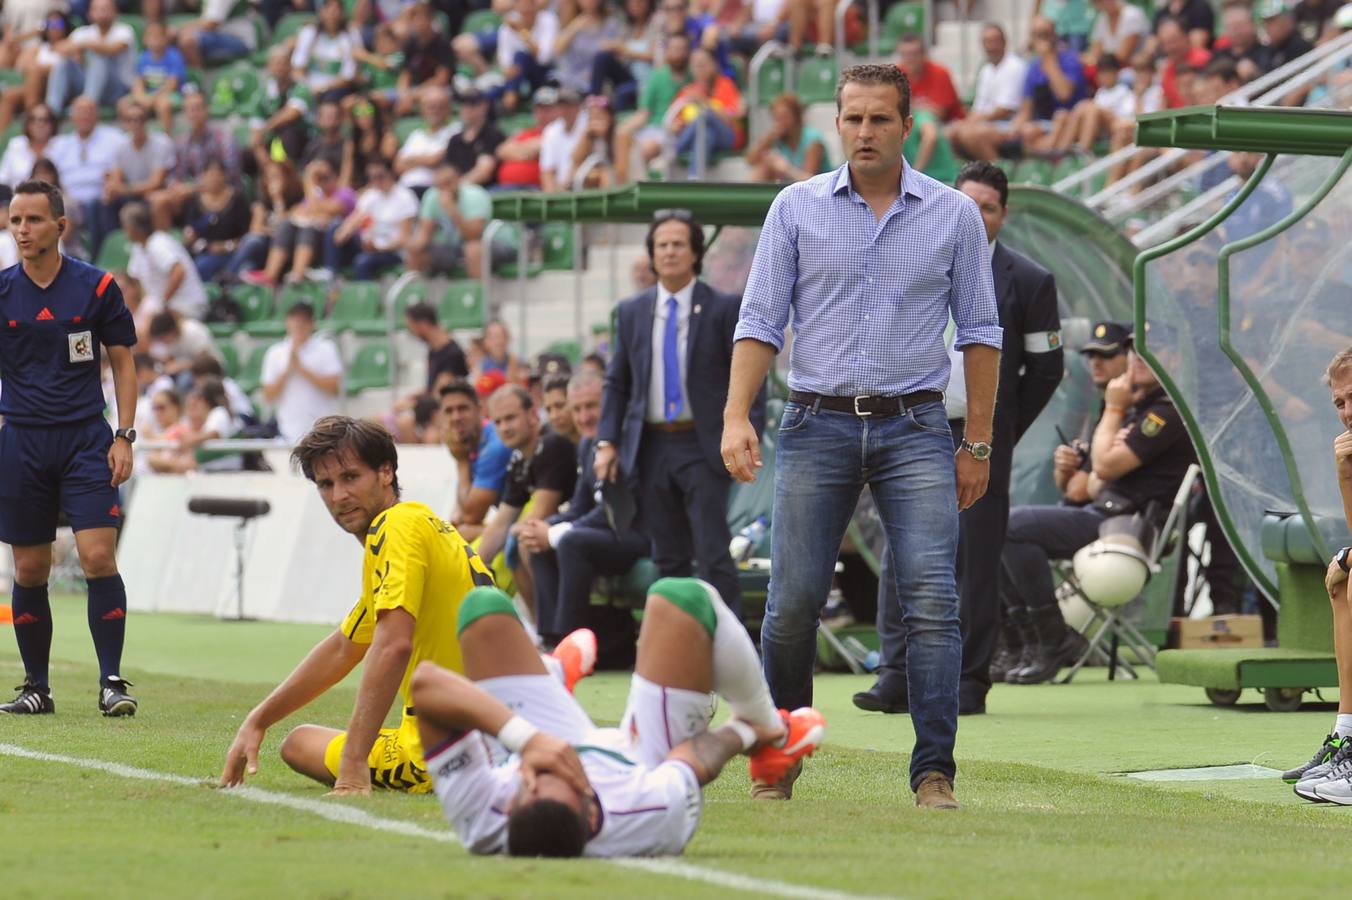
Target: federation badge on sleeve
x,y
81,346
1151,425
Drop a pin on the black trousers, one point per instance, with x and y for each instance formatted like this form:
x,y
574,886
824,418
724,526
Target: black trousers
x,y
1037,535
564,577
683,508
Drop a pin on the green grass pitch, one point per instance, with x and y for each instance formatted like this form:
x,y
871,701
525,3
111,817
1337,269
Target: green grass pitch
x,y
1046,812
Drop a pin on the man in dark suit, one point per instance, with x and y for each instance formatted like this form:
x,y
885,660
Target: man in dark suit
x,y
569,549
1031,365
662,418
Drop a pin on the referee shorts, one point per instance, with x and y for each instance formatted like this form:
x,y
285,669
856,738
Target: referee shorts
x,y
46,470
396,758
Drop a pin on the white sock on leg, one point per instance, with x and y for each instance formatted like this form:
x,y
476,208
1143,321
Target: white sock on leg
x,y
1342,727
737,670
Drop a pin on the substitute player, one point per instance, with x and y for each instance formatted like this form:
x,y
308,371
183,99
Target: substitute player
x,y
416,569
571,789
57,454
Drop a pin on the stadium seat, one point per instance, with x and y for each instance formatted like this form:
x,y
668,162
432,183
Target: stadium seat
x,y
138,26
772,80
11,77
902,18
816,80
370,368
462,305
557,241
570,350
234,89
358,301
255,301
481,20
406,126
290,25
229,357
250,377
114,252
274,326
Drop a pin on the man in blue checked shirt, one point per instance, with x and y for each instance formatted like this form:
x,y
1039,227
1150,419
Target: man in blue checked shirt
x,y
867,263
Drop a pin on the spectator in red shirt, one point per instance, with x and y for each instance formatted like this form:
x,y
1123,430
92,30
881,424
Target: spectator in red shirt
x,y
931,83
1178,53
519,155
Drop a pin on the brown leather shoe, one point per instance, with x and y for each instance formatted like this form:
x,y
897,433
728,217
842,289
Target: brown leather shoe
x,y
777,790
935,792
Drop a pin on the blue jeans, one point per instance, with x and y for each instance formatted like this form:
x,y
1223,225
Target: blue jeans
x,y
718,138
824,459
367,265
97,80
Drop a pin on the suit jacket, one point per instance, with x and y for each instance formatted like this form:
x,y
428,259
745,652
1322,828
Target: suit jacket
x,y
713,319
1032,360
583,510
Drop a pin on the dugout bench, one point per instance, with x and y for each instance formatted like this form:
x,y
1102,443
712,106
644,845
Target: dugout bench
x,y
1303,658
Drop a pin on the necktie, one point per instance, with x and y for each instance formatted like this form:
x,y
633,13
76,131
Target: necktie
x,y
671,365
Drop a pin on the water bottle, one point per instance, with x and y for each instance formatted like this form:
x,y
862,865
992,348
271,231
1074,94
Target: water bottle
x,y
744,544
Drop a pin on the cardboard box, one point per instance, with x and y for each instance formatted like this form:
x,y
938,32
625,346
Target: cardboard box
x,y
1216,631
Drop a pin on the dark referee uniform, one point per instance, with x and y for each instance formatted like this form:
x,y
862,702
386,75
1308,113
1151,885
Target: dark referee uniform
x,y
1031,365
54,444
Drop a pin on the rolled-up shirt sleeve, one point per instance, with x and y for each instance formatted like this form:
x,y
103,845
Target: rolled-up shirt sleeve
x,y
774,272
972,301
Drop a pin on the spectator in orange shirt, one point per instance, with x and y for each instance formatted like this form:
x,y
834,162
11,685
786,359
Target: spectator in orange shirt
x,y
931,83
710,106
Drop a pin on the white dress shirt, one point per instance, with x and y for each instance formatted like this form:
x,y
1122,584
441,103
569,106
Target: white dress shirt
x,y
656,385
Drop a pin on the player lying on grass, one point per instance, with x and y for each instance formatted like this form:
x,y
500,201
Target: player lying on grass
x,y
572,789
416,569
1327,777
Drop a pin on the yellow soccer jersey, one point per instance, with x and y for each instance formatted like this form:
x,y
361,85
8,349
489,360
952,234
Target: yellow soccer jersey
x,y
416,562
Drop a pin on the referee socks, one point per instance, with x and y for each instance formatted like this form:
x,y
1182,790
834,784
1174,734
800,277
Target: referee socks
x,y
33,630
107,622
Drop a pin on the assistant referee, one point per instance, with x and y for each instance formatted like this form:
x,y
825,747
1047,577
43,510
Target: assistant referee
x,y
57,454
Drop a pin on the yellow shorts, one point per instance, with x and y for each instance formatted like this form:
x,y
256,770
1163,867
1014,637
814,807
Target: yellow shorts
x,y
396,759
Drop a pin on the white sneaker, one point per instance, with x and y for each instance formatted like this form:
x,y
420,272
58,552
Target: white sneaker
x,y
1338,768
1335,790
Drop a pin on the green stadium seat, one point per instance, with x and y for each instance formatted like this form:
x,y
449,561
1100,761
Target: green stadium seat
x,y
274,326
557,240
902,18
114,252
462,305
234,90
510,125
138,26
290,25
370,368
255,301
250,377
406,126
229,357
481,20
570,350
816,80
358,301
772,80
11,77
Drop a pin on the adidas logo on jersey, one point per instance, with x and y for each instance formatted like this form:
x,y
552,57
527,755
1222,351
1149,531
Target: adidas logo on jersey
x,y
45,315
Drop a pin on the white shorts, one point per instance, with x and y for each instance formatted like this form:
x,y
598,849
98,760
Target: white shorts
x,y
655,719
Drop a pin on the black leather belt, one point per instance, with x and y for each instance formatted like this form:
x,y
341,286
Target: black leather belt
x,y
864,406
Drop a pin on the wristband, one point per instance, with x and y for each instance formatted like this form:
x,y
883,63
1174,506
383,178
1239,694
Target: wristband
x,y
516,733
744,732
1114,408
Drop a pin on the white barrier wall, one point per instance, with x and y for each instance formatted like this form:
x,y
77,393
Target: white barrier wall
x,y
298,565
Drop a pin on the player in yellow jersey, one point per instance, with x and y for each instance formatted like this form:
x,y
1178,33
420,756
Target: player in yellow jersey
x,y
416,569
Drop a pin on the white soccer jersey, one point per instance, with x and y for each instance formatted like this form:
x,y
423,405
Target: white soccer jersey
x,y
644,811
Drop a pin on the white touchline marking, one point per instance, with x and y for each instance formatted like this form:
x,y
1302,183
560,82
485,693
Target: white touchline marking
x,y
348,815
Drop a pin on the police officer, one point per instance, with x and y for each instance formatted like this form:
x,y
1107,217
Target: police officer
x,y
1031,365
1138,456
57,453
1106,355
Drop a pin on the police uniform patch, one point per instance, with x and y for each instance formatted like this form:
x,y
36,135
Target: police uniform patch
x,y
81,345
1151,425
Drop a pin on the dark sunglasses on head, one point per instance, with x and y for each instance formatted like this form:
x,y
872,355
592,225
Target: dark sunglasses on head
x,y
666,215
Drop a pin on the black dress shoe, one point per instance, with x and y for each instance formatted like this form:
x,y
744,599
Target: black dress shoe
x,y
877,699
970,706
